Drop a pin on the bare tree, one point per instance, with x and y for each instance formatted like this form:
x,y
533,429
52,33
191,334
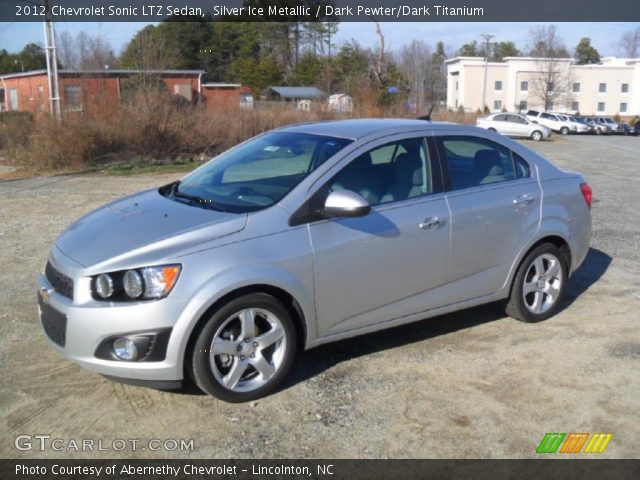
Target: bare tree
x,y
551,78
546,42
415,64
378,57
85,51
629,44
67,54
550,83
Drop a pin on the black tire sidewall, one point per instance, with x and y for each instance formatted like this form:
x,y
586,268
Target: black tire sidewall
x,y
201,368
516,298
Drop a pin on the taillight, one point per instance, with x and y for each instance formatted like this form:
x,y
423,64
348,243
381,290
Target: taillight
x,y
587,193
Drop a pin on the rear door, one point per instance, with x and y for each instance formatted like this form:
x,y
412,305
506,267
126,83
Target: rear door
x,y
494,199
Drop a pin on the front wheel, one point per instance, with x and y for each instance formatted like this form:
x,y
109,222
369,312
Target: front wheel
x,y
491,129
539,285
245,350
564,131
536,136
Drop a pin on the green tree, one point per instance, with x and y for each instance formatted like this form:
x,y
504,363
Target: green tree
x,y
585,54
308,70
469,50
501,50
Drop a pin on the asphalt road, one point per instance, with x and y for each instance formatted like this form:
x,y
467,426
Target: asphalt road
x,y
473,384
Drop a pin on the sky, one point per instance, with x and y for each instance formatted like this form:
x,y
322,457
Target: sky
x,y
14,36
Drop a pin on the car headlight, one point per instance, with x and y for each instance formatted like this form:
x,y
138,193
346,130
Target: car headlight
x,y
148,283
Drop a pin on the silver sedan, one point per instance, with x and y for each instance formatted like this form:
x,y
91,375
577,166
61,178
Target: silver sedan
x,y
514,125
306,235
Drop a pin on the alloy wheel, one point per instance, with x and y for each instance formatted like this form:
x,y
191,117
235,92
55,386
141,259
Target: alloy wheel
x,y
542,283
247,349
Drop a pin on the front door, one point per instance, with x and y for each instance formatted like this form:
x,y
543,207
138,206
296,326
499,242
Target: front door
x,y
384,265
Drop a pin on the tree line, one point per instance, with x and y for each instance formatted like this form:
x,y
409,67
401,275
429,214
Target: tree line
x,y
258,55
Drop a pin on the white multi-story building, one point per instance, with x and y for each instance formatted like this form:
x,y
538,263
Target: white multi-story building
x,y
519,83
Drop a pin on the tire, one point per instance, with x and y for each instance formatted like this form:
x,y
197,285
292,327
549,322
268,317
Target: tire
x,y
536,135
533,297
598,131
245,350
491,129
564,131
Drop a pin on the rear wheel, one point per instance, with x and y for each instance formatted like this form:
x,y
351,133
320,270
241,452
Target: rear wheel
x,y
245,350
539,285
536,136
491,129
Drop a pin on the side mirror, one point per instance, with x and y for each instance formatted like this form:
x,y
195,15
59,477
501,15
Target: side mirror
x,y
345,203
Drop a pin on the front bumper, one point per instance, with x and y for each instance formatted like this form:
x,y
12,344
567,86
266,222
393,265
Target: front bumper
x,y
76,328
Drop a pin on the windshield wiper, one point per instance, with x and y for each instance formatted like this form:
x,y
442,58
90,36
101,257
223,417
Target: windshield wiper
x,y
195,199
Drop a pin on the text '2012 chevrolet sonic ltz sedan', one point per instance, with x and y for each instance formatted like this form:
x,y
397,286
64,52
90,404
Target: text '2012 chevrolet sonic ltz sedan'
x,y
305,235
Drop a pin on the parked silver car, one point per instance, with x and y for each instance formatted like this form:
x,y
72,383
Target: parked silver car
x,y
514,125
306,235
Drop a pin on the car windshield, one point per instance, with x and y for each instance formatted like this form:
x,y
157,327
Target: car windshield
x,y
256,174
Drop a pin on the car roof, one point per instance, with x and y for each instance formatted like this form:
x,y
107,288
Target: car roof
x,y
356,129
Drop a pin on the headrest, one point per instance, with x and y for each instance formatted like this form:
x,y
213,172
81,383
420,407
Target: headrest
x,y
487,162
408,169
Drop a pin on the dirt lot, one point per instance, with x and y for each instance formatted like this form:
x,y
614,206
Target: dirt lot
x,y
473,384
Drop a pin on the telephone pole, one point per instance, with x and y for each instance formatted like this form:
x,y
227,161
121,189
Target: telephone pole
x,y
52,60
487,49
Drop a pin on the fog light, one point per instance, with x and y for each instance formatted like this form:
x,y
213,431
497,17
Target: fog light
x,y
125,349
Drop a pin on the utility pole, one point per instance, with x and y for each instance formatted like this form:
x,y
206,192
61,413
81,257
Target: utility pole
x,y
52,60
487,48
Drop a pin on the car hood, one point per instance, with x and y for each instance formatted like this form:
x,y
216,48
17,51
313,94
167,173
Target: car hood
x,y
143,227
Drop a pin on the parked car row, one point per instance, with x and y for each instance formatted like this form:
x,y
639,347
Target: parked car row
x,y
539,125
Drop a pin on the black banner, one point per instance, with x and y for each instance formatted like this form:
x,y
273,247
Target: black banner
x,y
318,469
322,10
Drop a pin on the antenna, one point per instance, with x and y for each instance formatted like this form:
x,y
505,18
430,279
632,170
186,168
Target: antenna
x,y
427,117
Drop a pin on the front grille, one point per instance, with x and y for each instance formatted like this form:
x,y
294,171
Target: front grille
x,y
60,283
53,322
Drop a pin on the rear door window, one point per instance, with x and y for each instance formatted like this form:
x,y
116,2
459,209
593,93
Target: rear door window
x,y
474,162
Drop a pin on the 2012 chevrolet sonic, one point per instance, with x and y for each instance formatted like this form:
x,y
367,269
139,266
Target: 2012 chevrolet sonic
x,y
305,235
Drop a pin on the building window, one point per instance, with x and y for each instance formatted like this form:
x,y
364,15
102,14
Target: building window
x,y
497,105
624,88
601,106
523,105
524,86
602,88
73,98
623,107
498,85
576,87
575,106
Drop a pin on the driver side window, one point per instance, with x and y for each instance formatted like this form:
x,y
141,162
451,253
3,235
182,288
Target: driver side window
x,y
393,172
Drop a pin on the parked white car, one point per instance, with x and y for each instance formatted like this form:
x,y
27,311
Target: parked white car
x,y
514,125
575,126
550,120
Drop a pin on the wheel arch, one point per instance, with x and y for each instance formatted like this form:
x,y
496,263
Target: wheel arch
x,y
288,301
556,239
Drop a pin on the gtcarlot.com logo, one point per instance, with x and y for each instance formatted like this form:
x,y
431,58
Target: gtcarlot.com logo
x,y
573,443
49,443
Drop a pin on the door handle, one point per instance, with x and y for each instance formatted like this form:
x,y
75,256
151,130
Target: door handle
x,y
523,200
432,222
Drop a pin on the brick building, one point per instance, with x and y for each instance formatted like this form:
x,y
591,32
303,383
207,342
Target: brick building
x,y
226,96
100,91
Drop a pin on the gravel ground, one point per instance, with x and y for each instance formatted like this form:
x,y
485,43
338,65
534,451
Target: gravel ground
x,y
472,384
